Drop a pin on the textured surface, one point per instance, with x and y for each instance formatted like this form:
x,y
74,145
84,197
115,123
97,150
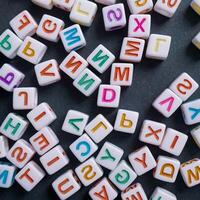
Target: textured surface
x,y
150,78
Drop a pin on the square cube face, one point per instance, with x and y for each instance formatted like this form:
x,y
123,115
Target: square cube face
x,y
13,126
93,167
32,50
152,132
122,176
174,142
121,74
140,7
163,194
158,46
24,24
83,148
47,4
126,121
83,12
167,103
10,77
196,39
132,49
4,146
114,17
63,4
106,2
49,28
196,135
195,4
98,128
139,26
109,155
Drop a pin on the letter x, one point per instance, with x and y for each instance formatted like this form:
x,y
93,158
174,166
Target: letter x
x,y
139,24
153,132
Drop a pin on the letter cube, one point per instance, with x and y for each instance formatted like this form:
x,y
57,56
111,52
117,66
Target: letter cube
x,y
121,74
7,174
174,142
47,4
50,27
196,135
195,4
161,193
101,58
73,64
152,132
47,72
83,148
63,4
75,122
44,140
9,44
32,50
25,98
190,172
140,6
83,12
134,191
13,126
72,38
24,24
166,7
41,116
167,103
184,86
196,39
89,171
158,46
20,153
109,156
106,2
54,160
87,82
142,160
167,169
126,121
98,128
10,77
29,176
103,189
66,185
139,26
122,176
4,147
114,17
132,49
191,112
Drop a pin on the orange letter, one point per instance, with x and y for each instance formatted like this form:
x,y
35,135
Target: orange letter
x,y
62,190
25,94
48,26
133,50
43,140
24,23
25,175
121,75
17,152
142,161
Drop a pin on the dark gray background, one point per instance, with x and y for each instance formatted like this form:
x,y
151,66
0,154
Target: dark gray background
x,y
150,79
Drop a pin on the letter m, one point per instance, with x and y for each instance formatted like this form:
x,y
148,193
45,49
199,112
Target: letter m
x,y
71,36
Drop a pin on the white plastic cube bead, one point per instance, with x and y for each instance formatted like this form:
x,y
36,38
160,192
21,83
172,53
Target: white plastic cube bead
x,y
167,169
98,128
41,116
4,146
158,46
114,17
9,44
72,38
47,72
47,4
66,185
122,176
101,58
142,160
161,193
174,142
139,26
10,77
54,160
13,126
44,140
196,135
126,121
87,82
106,2
167,103
25,98
83,148
63,4
140,6
24,24
89,171
75,122
20,153
109,155
195,4
32,50
73,64
29,176
103,189
152,132
196,39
